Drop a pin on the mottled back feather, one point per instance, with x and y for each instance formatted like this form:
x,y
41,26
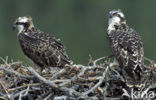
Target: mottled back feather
x,y
43,49
127,48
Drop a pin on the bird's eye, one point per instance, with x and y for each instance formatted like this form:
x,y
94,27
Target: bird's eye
x,y
119,16
115,14
17,23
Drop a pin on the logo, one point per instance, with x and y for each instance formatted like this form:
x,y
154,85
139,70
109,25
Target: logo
x,y
142,94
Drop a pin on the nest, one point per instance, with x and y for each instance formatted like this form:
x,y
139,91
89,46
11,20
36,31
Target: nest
x,y
100,80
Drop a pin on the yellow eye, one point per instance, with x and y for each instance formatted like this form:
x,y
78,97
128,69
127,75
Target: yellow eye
x,y
115,14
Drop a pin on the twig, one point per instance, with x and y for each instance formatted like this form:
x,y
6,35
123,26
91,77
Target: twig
x,y
149,60
27,91
15,72
58,74
90,79
118,74
2,98
25,94
5,90
54,86
47,98
25,85
13,96
98,84
4,61
61,81
106,57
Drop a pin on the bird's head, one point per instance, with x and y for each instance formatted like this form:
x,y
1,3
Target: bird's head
x,y
116,17
23,23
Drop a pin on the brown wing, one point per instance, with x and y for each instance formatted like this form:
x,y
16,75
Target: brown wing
x,y
44,49
128,50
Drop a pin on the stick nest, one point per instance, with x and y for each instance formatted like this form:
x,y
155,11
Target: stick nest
x,y
100,80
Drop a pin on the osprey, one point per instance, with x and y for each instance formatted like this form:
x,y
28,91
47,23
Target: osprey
x,y
43,49
127,47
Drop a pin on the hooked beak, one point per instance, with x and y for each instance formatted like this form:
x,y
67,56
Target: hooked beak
x,y
14,27
110,15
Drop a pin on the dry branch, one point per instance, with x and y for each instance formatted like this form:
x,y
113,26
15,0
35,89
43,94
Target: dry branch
x,y
52,84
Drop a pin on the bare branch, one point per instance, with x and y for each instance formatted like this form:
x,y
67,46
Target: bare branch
x,y
106,57
50,83
5,90
98,84
11,71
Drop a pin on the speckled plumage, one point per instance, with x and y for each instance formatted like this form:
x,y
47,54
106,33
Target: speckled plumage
x,y
127,47
43,49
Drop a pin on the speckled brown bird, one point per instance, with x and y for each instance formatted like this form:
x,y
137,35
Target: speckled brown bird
x,y
127,47
43,49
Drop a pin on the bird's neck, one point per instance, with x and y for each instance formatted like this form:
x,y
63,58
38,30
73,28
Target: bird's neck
x,y
27,31
31,26
121,26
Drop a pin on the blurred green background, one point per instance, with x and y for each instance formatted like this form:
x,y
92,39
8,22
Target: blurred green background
x,y
81,25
